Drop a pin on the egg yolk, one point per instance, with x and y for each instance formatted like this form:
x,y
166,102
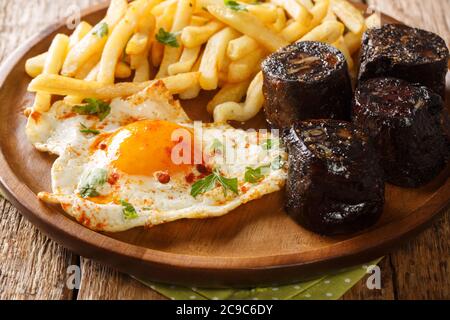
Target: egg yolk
x,y
148,147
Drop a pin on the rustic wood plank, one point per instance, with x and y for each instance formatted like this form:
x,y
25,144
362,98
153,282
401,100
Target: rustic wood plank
x,y
31,265
419,269
100,282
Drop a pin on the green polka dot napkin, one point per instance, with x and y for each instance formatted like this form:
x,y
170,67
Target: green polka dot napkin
x,y
328,287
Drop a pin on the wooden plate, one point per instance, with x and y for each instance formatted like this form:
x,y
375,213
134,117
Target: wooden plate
x,y
256,244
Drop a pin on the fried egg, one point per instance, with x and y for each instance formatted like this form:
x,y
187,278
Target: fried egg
x,y
150,164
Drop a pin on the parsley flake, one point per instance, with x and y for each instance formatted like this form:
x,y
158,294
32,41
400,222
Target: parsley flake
x,y
235,6
255,175
87,130
91,181
101,30
93,106
167,38
129,212
210,182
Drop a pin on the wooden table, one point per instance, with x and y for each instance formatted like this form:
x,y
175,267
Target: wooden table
x,y
34,267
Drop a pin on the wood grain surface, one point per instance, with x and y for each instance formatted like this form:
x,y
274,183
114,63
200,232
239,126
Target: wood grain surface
x,y
33,267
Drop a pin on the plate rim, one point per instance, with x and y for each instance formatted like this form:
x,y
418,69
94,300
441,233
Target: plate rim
x,y
86,242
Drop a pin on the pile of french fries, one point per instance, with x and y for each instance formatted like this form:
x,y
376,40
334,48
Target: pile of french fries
x,y
190,45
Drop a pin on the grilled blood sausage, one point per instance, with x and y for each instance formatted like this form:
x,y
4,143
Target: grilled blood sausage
x,y
406,123
406,53
306,80
335,184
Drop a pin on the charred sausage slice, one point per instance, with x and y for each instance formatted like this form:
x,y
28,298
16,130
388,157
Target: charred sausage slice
x,y
335,184
407,53
306,80
407,124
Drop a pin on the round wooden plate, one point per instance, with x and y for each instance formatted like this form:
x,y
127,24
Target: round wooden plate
x,y
257,244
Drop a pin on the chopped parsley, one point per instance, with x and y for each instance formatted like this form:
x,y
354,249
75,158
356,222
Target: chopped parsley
x,y
101,30
129,212
255,175
93,106
87,130
210,182
91,181
267,144
167,38
235,6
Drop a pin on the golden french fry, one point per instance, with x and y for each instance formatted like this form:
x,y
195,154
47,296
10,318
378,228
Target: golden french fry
x,y
119,37
53,64
295,9
249,25
141,66
373,21
182,18
244,68
349,15
328,32
280,22
194,90
92,75
194,36
294,31
308,4
164,22
60,85
122,71
199,21
80,32
95,40
319,12
159,9
213,55
86,68
240,47
242,111
186,62
353,41
140,41
35,65
231,92
267,14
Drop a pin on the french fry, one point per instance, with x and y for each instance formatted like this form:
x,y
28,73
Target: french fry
x,y
194,90
240,47
328,32
92,75
194,36
244,68
80,32
373,21
159,9
249,25
280,22
319,12
186,62
353,41
119,37
60,85
86,68
122,70
35,65
295,9
199,21
182,18
53,64
308,4
231,92
95,40
142,68
213,55
242,111
349,15
267,14
294,31
140,41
